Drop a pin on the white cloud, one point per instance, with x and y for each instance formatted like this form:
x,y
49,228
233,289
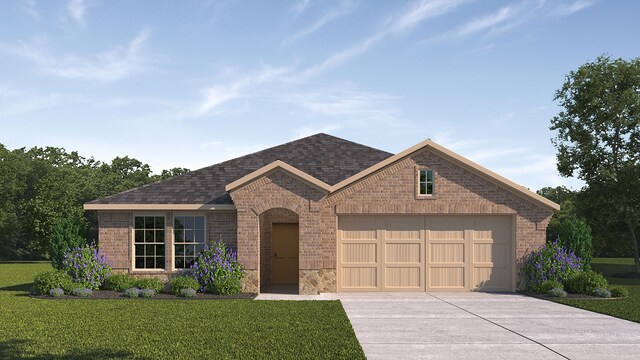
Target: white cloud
x,y
217,94
77,10
574,7
405,21
345,8
483,24
115,64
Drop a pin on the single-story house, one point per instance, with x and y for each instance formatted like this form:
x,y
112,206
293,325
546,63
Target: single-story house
x,y
327,215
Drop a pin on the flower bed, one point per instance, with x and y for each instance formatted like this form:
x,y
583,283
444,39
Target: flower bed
x,y
108,294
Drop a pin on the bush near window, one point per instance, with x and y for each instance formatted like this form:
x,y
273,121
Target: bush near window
x,y
149,283
218,271
87,266
552,262
618,291
586,282
177,284
119,282
575,235
546,286
45,281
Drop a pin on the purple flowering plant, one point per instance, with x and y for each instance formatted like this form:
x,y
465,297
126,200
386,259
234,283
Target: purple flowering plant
x,y
87,266
217,270
553,262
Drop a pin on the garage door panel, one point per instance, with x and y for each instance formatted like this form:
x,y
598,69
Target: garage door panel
x,y
359,253
403,227
403,252
403,277
360,278
447,277
490,253
448,253
490,278
446,235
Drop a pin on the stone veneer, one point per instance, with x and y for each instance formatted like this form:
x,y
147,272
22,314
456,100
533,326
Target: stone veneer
x,y
389,191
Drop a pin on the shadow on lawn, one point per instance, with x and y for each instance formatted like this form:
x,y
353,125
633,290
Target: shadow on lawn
x,y
22,288
16,349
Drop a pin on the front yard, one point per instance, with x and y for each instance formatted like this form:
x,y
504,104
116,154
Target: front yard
x,y
156,329
626,308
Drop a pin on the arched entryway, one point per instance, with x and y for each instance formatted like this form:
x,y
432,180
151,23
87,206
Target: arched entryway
x,y
279,251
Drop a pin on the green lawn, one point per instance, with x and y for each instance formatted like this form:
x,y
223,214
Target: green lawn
x,y
170,329
627,308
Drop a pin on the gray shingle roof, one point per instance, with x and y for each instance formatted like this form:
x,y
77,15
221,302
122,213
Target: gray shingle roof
x,y
322,156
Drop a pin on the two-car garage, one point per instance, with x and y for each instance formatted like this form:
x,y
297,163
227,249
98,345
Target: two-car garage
x,y
425,253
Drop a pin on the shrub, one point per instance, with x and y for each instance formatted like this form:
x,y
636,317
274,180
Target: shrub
x,y
575,235
618,291
602,292
45,281
557,293
119,282
149,283
87,266
552,262
547,286
147,293
56,292
82,292
180,283
218,271
586,282
132,293
188,293
65,236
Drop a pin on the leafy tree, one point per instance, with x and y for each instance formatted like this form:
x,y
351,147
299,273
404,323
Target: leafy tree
x,y
566,198
598,136
575,235
173,172
67,234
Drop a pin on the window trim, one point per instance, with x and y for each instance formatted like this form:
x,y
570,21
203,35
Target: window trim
x,y
173,239
132,244
418,195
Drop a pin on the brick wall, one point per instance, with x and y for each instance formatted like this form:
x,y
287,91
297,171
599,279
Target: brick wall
x,y
114,236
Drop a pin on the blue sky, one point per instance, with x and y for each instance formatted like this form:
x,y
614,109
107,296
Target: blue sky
x,y
192,83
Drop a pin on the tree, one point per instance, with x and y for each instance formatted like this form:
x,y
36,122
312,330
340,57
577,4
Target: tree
x,y
575,234
598,136
566,198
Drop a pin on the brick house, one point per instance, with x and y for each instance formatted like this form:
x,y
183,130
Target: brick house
x,y
327,215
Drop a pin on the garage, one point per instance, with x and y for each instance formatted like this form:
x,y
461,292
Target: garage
x,y
425,253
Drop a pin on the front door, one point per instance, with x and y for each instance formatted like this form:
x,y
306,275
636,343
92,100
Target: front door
x,y
284,252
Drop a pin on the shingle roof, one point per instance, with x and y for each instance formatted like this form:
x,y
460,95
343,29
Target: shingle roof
x,y
322,156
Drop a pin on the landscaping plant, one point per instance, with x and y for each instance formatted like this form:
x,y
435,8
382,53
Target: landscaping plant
x,y
177,284
149,283
87,266
45,281
65,236
56,292
586,282
147,293
82,292
132,293
218,271
188,293
575,235
618,291
547,286
553,262
602,292
119,282
557,293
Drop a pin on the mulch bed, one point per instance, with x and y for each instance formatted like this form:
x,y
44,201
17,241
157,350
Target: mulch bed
x,y
569,296
629,275
107,294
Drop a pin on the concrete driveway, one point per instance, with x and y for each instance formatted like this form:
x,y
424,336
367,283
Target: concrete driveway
x,y
484,326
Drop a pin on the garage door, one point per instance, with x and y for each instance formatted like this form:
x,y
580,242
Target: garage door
x,y
418,253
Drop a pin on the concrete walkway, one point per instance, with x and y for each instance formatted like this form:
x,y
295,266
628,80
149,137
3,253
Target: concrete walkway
x,y
484,326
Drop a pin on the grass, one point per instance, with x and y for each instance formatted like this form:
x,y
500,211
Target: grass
x,y
626,308
163,329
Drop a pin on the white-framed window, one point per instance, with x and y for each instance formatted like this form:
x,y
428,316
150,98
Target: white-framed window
x,y
426,182
149,242
188,239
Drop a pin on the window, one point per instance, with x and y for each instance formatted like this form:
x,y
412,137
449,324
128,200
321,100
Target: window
x,y
188,239
149,242
426,184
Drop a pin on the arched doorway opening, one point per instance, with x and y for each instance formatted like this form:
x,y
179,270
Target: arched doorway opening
x,y
279,251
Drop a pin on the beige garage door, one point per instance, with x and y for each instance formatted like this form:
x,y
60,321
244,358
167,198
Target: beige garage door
x,y
418,253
